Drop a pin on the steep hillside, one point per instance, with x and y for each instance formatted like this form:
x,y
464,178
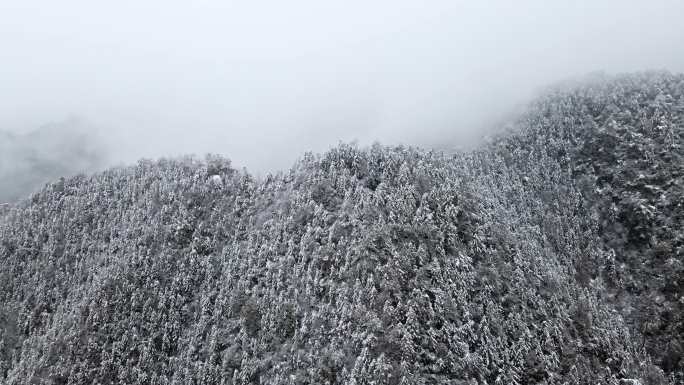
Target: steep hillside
x,y
368,266
623,141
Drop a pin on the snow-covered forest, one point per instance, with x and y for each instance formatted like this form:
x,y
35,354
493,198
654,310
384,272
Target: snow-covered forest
x,y
552,254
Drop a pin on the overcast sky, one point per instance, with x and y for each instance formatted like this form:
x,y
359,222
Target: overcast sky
x,y
262,81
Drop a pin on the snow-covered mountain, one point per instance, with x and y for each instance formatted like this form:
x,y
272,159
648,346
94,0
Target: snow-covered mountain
x,y
554,254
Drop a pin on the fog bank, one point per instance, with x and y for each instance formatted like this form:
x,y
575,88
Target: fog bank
x,y
263,81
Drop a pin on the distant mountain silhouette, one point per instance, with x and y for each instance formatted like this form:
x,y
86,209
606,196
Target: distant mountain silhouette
x,y
29,160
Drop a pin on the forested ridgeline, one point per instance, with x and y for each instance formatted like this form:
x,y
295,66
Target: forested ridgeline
x,y
622,139
551,255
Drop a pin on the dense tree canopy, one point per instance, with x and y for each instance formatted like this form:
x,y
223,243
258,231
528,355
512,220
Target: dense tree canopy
x,y
551,255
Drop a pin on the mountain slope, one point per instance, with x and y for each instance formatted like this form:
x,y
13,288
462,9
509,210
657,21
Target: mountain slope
x,y
623,140
366,266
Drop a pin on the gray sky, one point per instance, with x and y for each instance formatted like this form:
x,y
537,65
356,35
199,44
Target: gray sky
x,y
262,81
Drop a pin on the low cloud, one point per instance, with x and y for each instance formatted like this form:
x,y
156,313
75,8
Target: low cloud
x,y
263,81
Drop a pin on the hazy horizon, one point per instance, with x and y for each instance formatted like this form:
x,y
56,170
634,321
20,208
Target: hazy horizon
x,y
263,82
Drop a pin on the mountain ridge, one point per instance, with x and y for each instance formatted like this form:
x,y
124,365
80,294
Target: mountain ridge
x,y
385,265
